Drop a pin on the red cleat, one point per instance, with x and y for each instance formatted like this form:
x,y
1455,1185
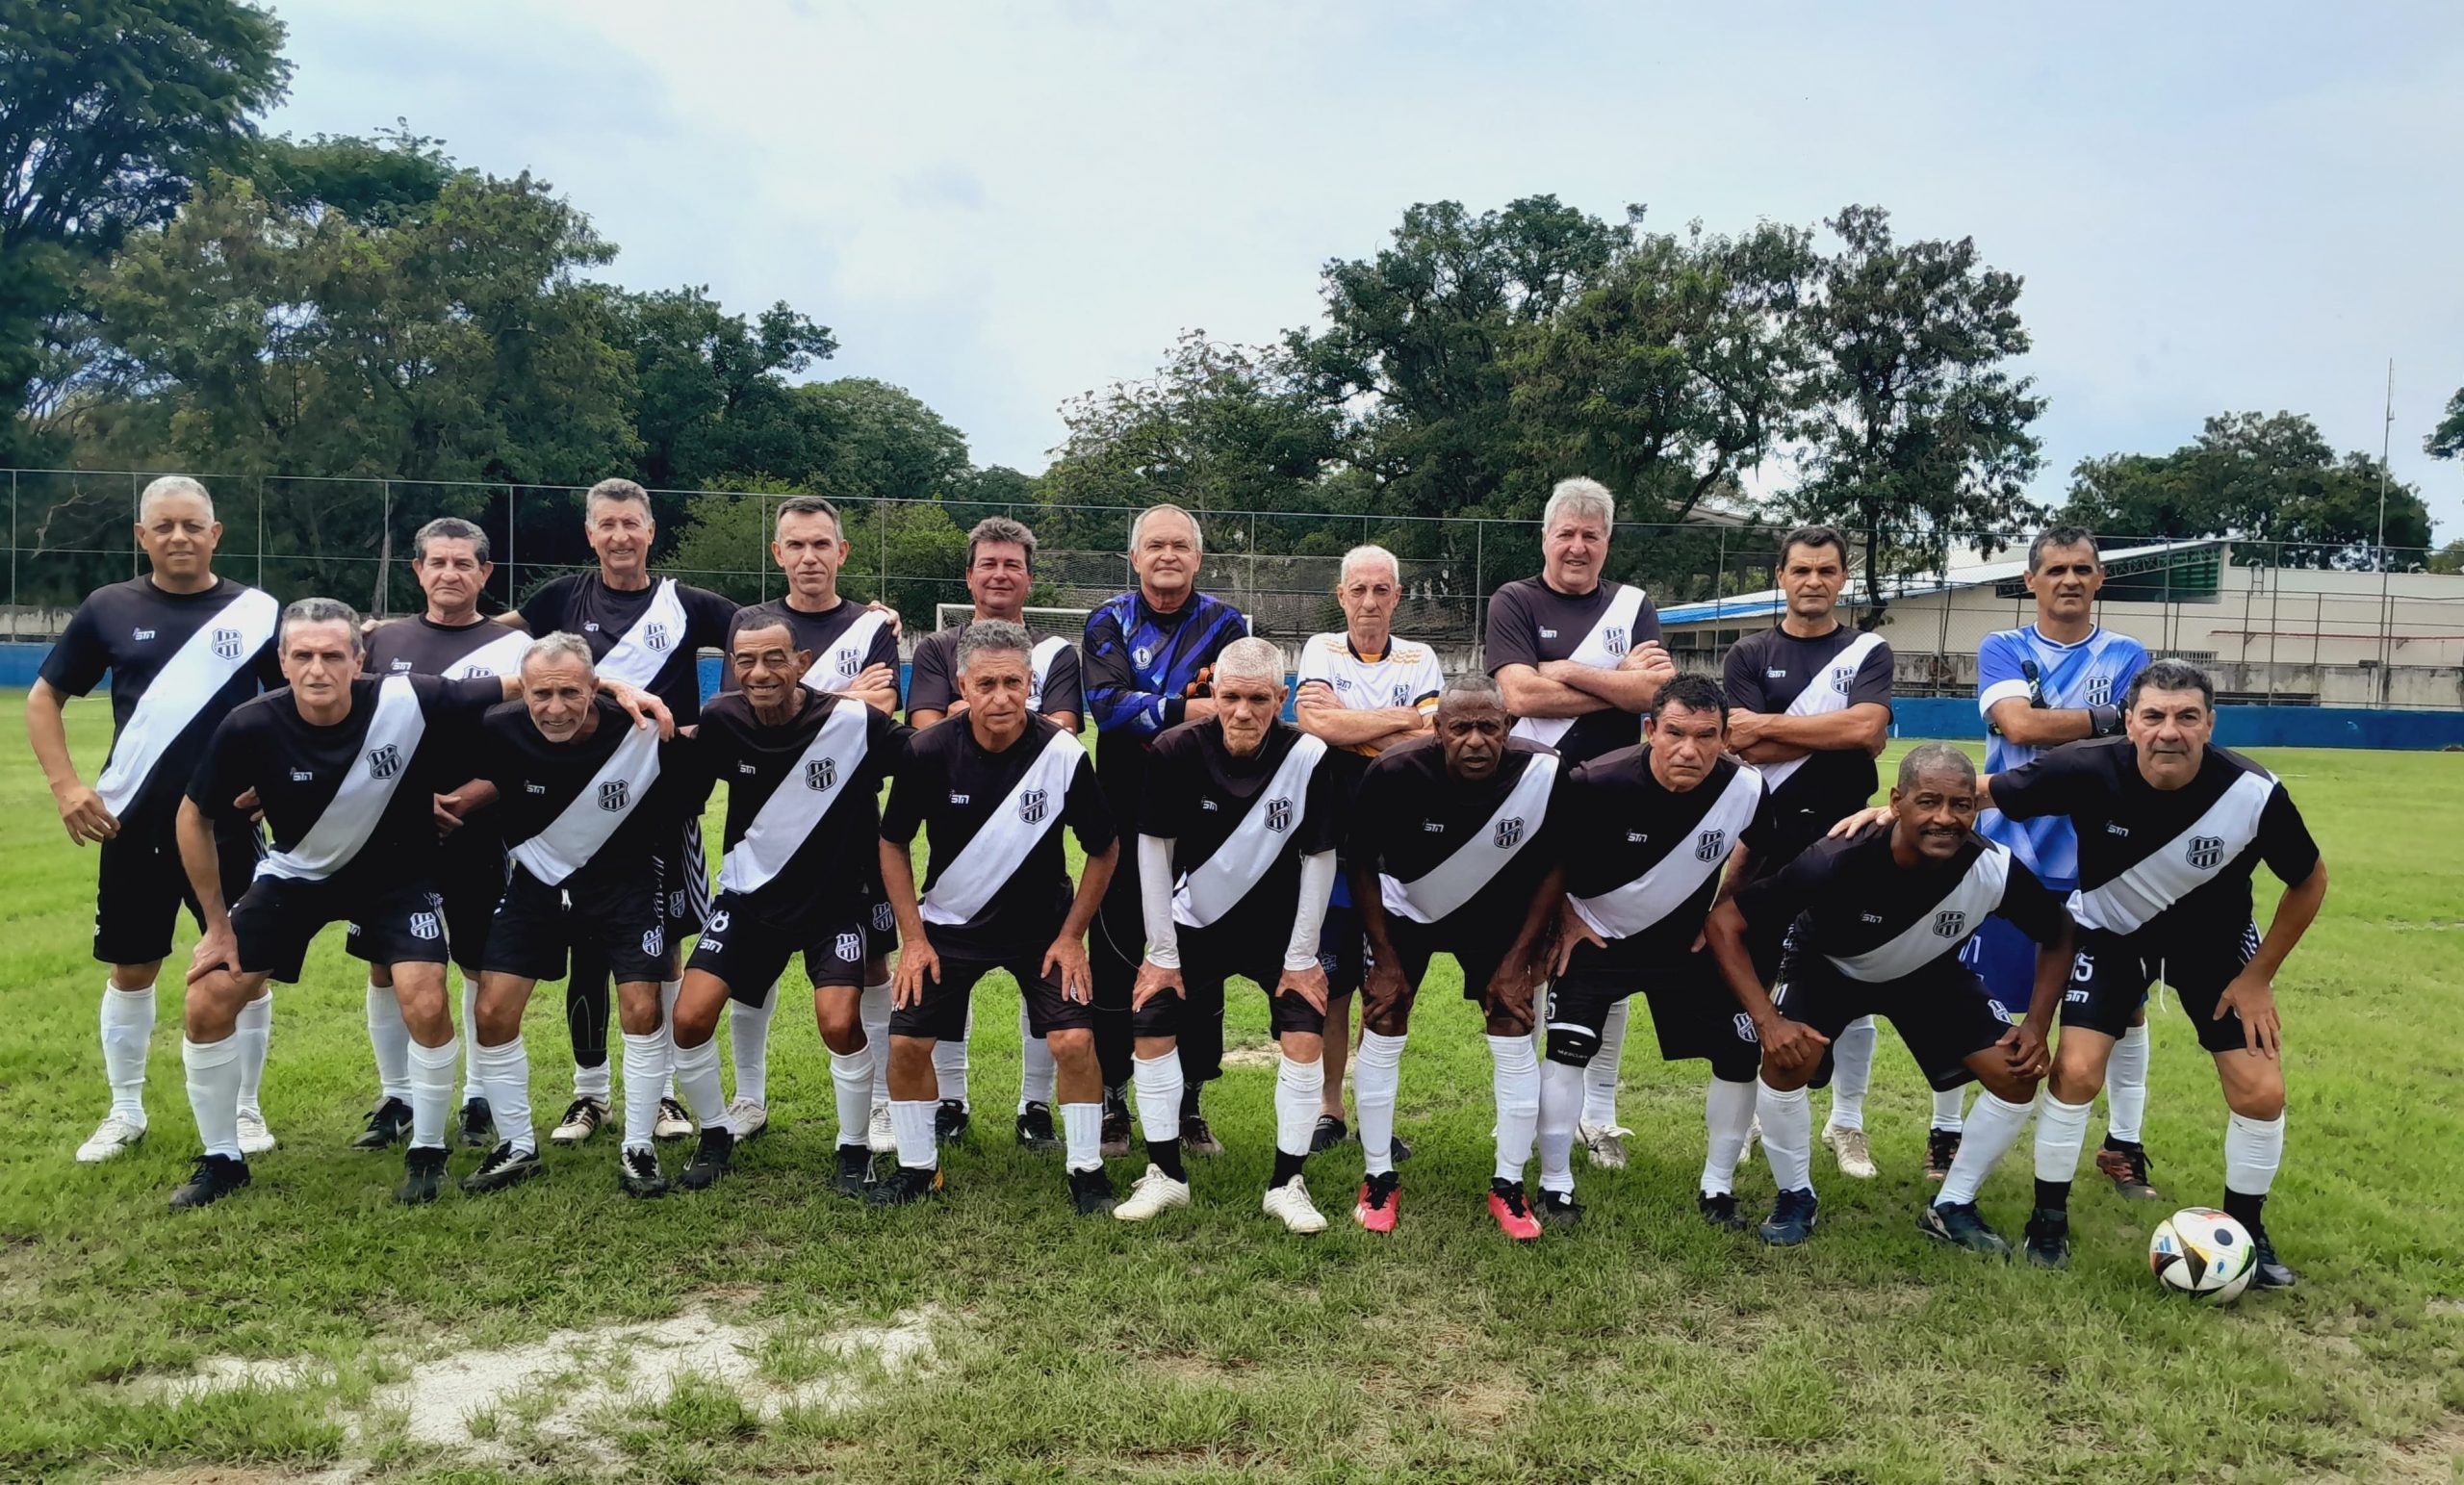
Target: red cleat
x,y
1514,1216
1378,1197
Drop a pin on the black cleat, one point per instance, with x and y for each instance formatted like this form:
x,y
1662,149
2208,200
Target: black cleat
x,y
949,1122
478,1127
390,1120
1962,1225
709,1161
2127,1167
1036,1132
2267,1271
1720,1211
1791,1219
1116,1132
638,1173
1329,1132
1941,1148
2047,1242
1559,1209
1196,1138
503,1167
1397,1150
214,1177
423,1176
855,1173
1091,1191
907,1185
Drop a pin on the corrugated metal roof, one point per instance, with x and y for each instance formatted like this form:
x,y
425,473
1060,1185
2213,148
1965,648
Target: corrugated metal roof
x,y
1770,602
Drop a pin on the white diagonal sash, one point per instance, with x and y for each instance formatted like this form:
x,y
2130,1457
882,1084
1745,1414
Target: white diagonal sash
x,y
787,819
642,652
984,864
1819,697
1039,668
499,656
829,672
1625,912
602,806
1221,880
1935,932
1476,861
2181,866
196,673
1596,651
394,726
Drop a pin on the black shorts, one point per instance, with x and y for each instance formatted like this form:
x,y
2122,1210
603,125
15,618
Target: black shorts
x,y
2110,977
1943,1012
1692,1011
472,879
1343,952
277,917
686,879
617,914
881,928
140,886
1478,954
941,1014
1204,971
748,955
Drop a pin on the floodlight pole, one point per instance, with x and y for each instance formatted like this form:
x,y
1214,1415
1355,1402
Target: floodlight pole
x,y
2386,448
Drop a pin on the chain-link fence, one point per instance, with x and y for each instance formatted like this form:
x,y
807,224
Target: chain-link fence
x,y
2354,625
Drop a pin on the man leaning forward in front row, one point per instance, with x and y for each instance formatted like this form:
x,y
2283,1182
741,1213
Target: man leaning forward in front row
x,y
991,791
1452,841
347,768
1237,835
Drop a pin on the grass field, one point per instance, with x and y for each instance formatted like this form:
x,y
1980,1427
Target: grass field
x,y
996,1337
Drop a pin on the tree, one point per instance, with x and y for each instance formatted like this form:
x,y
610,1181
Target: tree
x,y
714,404
2449,558
2446,440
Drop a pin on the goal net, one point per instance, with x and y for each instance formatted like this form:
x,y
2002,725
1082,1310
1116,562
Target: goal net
x,y
1070,624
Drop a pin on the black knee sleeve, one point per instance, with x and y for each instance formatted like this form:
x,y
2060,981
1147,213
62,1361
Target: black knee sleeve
x,y
1574,1046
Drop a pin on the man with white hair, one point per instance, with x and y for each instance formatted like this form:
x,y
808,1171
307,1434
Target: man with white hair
x,y
182,648
1237,835
1148,660
1580,661
1361,692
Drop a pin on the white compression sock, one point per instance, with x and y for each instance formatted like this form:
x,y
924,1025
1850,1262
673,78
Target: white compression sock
x,y
850,1079
432,1091
1160,1086
213,1070
1514,1080
2126,1086
1376,1075
2253,1149
749,1044
1082,1135
2061,1128
1992,1129
1787,1136
949,1061
1727,1113
913,1120
670,991
696,1078
873,1009
391,1041
645,1074
505,1082
468,1026
255,1033
128,1025
1852,1072
1950,1109
594,1082
1035,1070
1561,1104
1298,1086
1600,1074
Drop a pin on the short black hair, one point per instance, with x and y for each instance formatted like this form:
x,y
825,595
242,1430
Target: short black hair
x,y
1694,693
2170,675
2053,536
1925,757
1815,536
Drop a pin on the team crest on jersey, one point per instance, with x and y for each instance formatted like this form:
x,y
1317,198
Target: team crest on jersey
x,y
615,794
2207,852
226,643
1842,677
821,774
1708,845
1509,834
654,636
1402,695
1278,815
2101,689
385,762
850,664
849,947
1613,640
1033,803
655,942
424,925
1745,1027
1950,923
719,921
1142,656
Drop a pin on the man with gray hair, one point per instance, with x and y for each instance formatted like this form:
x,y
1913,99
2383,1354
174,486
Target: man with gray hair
x,y
183,648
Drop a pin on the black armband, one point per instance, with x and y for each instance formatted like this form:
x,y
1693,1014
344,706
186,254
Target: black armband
x,y
2104,721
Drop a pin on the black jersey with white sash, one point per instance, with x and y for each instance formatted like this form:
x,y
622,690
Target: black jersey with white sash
x,y
843,640
1053,681
804,821
1240,827
179,663
590,809
997,884
1460,856
2172,862
457,652
1530,621
1876,921
1777,672
353,802
647,637
1644,861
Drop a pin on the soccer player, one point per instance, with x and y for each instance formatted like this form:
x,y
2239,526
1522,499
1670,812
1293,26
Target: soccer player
x,y
1884,911
583,812
347,768
1147,659
182,648
1000,571
1648,831
1238,832
1361,692
992,793
1809,706
1580,660
1452,851
2057,680
804,771
449,559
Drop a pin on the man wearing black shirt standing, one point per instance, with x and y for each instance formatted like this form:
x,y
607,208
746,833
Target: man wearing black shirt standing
x,y
182,648
991,792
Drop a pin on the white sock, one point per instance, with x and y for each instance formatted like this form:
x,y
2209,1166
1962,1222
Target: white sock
x,y
1950,1109
1600,1074
432,1091
594,1082
213,1070
1298,1088
850,1079
645,1072
1082,1135
873,1009
1992,1129
128,1025
2061,1128
949,1063
468,1026
391,1041
2126,1086
696,1078
255,1032
505,1082
913,1120
1514,1080
1852,1072
1035,1069
749,1044
2253,1149
1727,1113
670,991
1787,1136
1160,1086
1376,1075
1561,1104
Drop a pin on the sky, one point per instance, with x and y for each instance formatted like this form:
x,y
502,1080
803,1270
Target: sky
x,y
2215,208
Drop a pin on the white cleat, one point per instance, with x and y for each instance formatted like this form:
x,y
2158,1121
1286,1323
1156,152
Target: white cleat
x,y
254,1137
583,1118
673,1122
1155,1194
881,1135
1289,1204
750,1118
1849,1145
115,1135
1605,1143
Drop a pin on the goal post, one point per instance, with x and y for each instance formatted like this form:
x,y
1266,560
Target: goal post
x,y
1069,623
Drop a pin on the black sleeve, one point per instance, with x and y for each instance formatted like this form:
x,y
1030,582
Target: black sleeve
x,y
1323,828
884,651
1088,817
2046,784
1510,640
687,772
543,612
269,662
1646,621
910,793
929,687
1762,832
2284,839
886,740
1776,899
226,770
1164,788
1062,690
78,662
710,618
459,702
1741,679
1874,676
2030,906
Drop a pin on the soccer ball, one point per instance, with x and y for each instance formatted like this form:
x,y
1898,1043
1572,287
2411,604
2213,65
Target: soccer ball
x,y
2203,1253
